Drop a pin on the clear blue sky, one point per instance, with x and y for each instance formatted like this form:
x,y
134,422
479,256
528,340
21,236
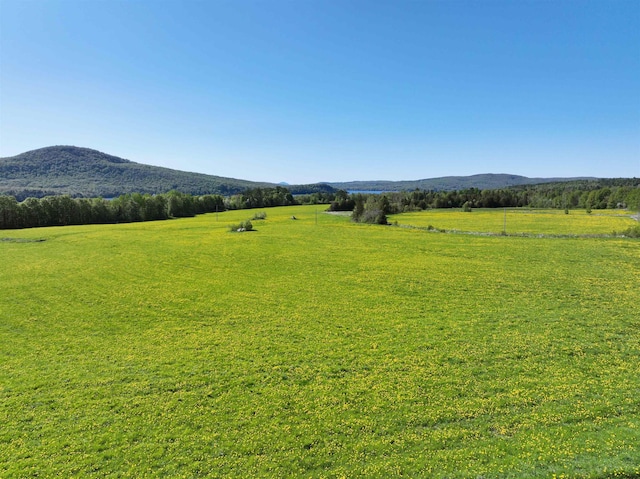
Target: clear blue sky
x,y
305,91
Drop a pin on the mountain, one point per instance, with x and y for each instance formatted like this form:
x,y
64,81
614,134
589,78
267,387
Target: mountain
x,y
85,172
487,181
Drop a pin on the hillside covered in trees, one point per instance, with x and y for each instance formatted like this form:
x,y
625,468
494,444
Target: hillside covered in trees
x,y
450,183
66,185
87,173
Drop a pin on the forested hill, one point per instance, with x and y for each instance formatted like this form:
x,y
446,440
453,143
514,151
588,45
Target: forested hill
x,y
85,172
450,183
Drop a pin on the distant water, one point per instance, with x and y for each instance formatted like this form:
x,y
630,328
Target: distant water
x,y
366,192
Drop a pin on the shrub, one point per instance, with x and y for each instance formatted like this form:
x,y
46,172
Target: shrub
x,y
260,216
633,232
372,210
242,226
374,216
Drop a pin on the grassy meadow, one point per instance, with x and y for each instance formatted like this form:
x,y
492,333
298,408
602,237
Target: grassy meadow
x,y
320,348
522,221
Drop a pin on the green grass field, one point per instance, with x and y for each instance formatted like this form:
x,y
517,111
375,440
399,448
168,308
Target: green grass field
x,y
522,221
321,348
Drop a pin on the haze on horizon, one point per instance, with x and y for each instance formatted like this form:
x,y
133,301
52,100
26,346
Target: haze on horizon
x,y
304,92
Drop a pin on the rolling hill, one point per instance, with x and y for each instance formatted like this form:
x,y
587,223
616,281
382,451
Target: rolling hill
x,y
90,173
487,181
84,172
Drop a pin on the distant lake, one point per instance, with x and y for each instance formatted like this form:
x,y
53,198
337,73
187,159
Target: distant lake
x,y
366,192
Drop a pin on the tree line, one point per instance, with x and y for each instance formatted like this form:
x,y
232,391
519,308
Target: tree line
x,y
373,208
547,196
366,208
261,198
64,210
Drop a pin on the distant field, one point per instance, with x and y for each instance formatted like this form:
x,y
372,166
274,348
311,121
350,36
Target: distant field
x,y
317,348
522,220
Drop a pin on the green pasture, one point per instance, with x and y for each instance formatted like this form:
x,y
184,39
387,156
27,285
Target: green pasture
x,y
321,348
521,221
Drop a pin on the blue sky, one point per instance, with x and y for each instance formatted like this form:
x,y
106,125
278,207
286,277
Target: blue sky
x,y
306,91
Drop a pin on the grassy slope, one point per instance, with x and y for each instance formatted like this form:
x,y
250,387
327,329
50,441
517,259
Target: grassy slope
x,y
311,350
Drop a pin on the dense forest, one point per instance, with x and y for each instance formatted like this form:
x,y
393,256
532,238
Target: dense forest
x,y
63,210
367,208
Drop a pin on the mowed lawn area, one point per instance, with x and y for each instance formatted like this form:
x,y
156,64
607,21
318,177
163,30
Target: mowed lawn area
x,y
317,347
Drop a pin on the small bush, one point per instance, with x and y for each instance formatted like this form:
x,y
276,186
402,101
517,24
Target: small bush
x,y
374,216
242,226
633,232
260,216
466,207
